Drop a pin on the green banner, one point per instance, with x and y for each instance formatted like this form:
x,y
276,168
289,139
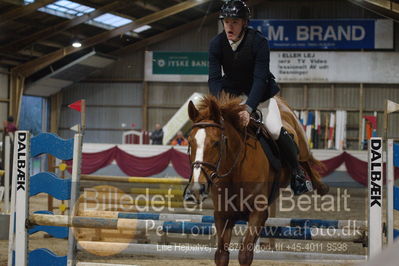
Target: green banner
x,y
180,63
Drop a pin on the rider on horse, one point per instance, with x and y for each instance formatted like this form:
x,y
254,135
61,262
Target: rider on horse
x,y
244,55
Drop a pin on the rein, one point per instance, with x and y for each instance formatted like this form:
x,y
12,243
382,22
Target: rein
x,y
215,167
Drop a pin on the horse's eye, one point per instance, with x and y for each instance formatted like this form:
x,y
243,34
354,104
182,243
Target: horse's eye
x,y
216,143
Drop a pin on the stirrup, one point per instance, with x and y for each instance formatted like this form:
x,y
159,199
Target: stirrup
x,y
299,183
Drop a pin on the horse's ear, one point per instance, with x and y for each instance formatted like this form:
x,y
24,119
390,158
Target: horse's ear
x,y
214,111
192,111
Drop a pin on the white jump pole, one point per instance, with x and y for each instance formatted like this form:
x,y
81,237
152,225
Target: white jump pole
x,y
75,184
11,236
20,176
390,183
7,174
375,174
199,252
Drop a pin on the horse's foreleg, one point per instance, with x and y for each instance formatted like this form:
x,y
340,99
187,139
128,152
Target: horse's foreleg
x,y
256,223
224,231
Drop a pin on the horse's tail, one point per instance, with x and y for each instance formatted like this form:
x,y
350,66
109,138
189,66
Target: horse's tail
x,y
315,166
311,165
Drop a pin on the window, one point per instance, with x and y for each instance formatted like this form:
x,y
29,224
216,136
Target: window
x,y
68,9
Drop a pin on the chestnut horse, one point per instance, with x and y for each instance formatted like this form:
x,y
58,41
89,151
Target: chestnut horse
x,y
228,160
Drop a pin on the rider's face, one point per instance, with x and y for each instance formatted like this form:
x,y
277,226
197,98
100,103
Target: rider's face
x,y
233,28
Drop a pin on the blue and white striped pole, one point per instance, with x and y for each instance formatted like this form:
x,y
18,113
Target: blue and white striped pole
x,y
337,224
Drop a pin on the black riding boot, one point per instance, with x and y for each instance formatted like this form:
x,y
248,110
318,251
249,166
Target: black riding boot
x,y
289,151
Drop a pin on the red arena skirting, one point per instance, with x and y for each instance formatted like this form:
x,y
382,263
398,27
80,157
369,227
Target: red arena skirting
x,y
357,169
147,166
136,166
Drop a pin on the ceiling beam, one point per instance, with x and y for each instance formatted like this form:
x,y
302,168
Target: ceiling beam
x,y
47,32
13,2
9,62
147,6
31,53
166,35
50,44
84,2
35,65
152,8
18,57
71,36
382,8
195,8
94,5
23,10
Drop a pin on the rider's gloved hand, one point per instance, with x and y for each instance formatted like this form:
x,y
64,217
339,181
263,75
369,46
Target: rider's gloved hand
x,y
244,117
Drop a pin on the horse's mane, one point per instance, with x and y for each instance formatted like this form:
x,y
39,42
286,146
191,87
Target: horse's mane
x,y
228,105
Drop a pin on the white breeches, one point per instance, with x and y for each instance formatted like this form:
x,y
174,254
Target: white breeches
x,y
271,117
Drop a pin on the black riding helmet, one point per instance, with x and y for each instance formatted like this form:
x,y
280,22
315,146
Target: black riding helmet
x,y
235,9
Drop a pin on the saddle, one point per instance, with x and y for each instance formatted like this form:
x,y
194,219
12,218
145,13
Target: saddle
x,y
257,128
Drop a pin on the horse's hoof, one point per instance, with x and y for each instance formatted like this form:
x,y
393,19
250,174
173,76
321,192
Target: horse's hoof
x,y
323,189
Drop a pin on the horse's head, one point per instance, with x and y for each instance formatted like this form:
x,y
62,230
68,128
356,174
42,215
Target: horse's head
x,y
207,142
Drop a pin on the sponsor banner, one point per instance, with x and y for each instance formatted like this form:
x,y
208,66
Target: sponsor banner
x,y
337,67
182,63
288,67
176,66
342,34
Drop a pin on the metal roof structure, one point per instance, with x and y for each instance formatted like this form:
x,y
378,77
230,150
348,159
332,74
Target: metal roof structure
x,y
33,29
37,35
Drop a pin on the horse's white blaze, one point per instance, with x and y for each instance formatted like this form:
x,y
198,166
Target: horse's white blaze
x,y
199,156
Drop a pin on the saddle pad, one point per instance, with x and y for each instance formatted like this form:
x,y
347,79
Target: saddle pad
x,y
271,152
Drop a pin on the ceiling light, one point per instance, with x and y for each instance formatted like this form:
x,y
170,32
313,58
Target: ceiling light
x,y
77,44
142,28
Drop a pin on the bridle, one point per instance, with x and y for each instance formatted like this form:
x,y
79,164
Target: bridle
x,y
222,148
